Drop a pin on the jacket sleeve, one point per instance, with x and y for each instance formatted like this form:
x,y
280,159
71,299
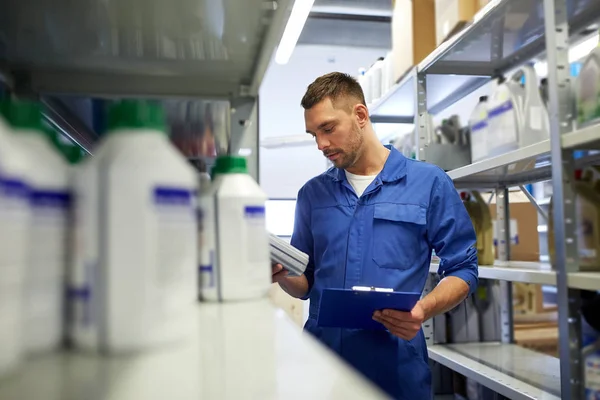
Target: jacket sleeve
x,y
450,233
302,238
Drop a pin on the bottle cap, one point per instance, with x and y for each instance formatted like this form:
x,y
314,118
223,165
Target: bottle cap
x,y
4,108
73,154
230,165
136,114
26,115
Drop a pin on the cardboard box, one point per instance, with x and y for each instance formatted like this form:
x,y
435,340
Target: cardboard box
x,y
453,15
524,236
413,34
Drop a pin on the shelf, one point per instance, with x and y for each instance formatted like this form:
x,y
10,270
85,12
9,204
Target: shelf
x,y
510,370
215,50
504,34
587,138
525,165
532,272
238,350
521,166
398,103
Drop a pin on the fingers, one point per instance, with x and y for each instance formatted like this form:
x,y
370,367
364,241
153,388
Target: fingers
x,y
406,330
276,268
278,273
402,333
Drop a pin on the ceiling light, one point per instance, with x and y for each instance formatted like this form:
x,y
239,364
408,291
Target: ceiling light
x,y
293,29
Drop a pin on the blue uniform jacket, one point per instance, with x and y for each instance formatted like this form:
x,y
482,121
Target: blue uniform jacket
x,y
383,239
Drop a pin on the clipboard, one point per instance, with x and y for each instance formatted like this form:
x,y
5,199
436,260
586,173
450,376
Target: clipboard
x,y
354,308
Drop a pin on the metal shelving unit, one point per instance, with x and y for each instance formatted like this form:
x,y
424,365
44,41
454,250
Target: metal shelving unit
x,y
507,369
532,272
503,36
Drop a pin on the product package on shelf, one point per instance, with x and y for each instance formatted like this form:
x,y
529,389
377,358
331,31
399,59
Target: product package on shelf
x,y
588,90
292,259
134,285
517,116
587,204
481,219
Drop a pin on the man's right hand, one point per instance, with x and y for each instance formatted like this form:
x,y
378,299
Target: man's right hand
x,y
278,273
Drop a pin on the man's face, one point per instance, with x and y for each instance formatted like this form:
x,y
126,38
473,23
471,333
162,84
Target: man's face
x,y
336,131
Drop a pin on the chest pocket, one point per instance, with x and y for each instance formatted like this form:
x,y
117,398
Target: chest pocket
x,y
398,231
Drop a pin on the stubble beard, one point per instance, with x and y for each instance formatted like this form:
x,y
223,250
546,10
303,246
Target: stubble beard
x,y
348,158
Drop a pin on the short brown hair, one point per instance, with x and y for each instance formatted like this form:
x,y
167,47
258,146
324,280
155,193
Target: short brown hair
x,y
336,86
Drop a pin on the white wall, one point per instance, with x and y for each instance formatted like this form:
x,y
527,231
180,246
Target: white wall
x,y
283,171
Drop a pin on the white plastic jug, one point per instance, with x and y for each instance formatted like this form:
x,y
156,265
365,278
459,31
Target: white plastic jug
x,y
47,177
14,225
478,124
535,120
143,286
242,244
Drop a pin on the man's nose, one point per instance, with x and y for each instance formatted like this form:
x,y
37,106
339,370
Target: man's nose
x,y
322,143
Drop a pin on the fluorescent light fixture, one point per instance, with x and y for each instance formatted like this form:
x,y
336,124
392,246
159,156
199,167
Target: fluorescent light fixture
x,y
292,31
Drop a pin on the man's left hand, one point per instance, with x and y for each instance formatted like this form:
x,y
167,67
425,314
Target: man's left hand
x,y
405,325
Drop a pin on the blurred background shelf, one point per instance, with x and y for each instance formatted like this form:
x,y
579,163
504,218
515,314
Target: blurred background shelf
x,y
532,272
507,369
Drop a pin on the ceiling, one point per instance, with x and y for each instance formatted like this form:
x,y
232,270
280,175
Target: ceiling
x,y
355,23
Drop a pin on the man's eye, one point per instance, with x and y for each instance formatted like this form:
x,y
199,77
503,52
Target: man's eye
x,y
328,130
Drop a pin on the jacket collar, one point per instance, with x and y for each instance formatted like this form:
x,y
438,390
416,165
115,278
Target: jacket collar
x,y
394,168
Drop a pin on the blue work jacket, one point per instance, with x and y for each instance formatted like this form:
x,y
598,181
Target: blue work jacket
x,y
383,238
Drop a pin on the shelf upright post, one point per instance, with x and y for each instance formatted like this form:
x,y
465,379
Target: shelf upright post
x,y
503,237
566,255
422,128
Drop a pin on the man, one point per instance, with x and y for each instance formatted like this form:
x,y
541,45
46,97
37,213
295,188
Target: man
x,y
372,220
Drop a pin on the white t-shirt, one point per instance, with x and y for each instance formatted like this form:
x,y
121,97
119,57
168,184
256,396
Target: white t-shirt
x,y
359,182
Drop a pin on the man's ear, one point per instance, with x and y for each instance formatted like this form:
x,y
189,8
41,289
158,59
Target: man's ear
x,y
362,115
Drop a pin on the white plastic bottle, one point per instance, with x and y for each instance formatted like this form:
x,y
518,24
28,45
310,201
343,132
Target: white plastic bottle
x,y
244,269
14,224
504,118
46,254
145,280
535,119
478,124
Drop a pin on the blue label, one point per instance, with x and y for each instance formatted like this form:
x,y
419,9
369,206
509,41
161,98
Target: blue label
x,y
478,126
254,211
166,196
13,188
49,199
501,109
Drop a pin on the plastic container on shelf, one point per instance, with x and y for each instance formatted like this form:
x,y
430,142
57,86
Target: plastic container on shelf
x,y
481,217
367,86
517,116
14,228
49,199
587,203
239,204
478,125
139,282
387,74
377,79
588,89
